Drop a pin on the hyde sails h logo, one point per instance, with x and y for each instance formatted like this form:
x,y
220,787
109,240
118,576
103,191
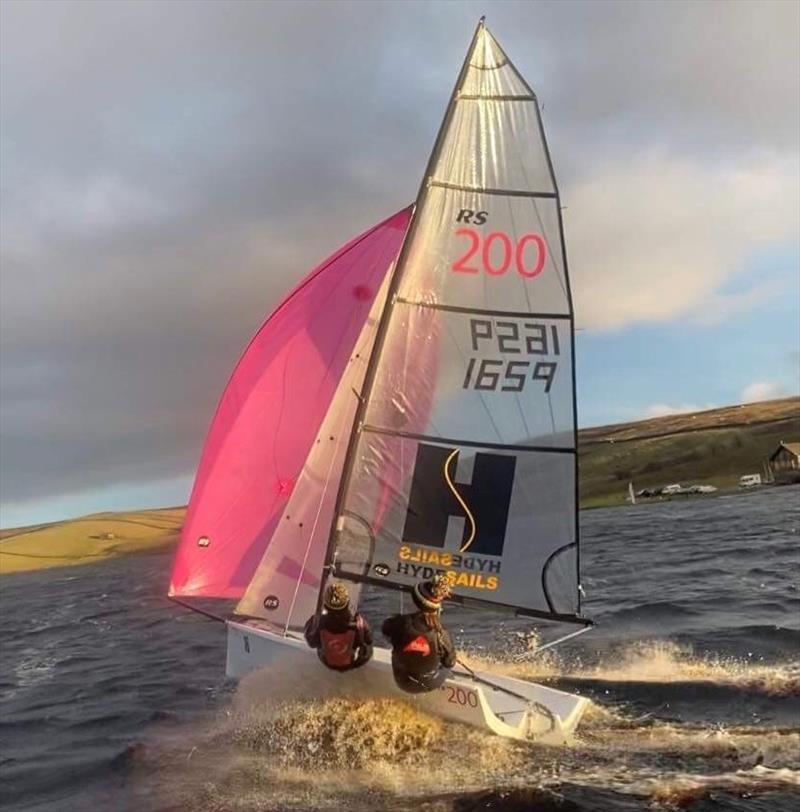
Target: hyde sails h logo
x,y
482,503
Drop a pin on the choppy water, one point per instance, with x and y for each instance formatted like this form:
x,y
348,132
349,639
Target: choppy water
x,y
114,699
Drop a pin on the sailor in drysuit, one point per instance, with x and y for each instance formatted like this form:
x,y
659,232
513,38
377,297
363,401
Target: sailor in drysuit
x,y
343,639
422,649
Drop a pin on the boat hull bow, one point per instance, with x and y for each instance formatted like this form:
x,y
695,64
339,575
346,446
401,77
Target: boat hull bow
x,y
514,709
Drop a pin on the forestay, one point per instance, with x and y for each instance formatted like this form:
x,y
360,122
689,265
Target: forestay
x,y
464,457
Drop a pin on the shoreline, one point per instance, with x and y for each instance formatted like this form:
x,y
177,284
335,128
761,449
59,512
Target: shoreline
x,y
713,447
82,541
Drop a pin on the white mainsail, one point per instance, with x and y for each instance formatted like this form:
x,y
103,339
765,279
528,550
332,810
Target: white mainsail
x,y
463,457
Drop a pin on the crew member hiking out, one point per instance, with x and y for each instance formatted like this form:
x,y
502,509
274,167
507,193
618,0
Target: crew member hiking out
x,y
342,638
422,649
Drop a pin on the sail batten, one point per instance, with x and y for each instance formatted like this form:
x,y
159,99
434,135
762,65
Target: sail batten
x,y
486,191
432,438
464,456
483,312
475,97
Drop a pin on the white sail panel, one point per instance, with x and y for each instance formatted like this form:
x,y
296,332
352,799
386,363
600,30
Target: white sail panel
x,y
489,251
490,73
492,144
497,379
490,518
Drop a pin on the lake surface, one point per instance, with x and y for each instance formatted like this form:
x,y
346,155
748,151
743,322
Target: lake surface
x,y
112,698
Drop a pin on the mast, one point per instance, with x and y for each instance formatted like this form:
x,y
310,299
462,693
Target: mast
x,y
380,338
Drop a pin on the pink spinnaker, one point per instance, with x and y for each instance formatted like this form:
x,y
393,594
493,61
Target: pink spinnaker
x,y
271,411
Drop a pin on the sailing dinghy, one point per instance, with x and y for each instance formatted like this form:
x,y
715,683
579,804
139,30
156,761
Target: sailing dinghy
x,y
409,409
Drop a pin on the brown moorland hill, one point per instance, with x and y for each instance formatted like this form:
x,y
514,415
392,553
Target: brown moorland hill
x,y
745,414
713,447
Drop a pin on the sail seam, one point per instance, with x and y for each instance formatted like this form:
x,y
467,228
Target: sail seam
x,y
432,438
481,312
442,184
489,67
494,97
477,97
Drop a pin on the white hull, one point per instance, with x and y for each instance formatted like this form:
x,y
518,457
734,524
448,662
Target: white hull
x,y
548,716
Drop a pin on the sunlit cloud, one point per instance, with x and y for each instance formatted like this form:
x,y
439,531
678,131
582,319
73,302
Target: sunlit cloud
x,y
665,409
762,390
658,237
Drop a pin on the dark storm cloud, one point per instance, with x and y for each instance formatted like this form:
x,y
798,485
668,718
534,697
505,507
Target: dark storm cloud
x,y
170,169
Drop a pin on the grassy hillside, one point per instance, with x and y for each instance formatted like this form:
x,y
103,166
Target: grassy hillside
x,y
714,447
90,538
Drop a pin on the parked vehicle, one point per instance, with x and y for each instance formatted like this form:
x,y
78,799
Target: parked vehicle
x,y
671,489
749,480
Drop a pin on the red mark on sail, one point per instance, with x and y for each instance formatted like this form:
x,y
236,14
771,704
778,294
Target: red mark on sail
x,y
475,241
498,251
540,256
505,261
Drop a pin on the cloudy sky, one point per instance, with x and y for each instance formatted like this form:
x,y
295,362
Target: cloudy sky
x,y
170,169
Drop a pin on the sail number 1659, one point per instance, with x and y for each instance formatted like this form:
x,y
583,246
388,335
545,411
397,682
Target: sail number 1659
x,y
519,338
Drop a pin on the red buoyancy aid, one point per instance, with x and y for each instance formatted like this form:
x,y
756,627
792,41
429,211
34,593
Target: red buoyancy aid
x,y
419,645
337,649
418,653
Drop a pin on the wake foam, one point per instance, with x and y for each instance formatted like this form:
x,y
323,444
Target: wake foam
x,y
321,740
682,789
653,662
340,733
